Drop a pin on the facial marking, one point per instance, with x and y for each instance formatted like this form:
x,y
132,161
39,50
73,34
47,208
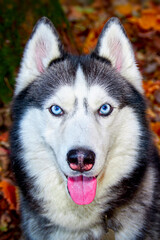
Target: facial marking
x,y
98,96
64,98
80,88
85,104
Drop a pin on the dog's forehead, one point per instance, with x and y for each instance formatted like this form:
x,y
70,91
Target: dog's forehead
x,y
80,86
81,77
82,93
93,94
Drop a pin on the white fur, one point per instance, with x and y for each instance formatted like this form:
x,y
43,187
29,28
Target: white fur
x,y
80,88
115,46
121,157
39,51
46,145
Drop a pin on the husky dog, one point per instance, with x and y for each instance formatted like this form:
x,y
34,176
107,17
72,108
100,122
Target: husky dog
x,y
81,147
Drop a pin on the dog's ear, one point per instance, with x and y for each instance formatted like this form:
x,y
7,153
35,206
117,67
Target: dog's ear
x,y
43,46
114,45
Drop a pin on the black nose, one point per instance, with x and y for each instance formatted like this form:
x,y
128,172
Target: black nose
x,y
81,159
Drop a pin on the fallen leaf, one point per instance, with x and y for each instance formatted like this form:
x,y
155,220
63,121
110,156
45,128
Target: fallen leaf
x,y
9,191
149,19
90,42
150,86
157,95
125,9
4,137
156,127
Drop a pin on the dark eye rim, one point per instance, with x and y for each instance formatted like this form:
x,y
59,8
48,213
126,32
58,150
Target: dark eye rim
x,y
59,115
107,114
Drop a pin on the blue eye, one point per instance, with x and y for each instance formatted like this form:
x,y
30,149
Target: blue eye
x,y
105,109
56,110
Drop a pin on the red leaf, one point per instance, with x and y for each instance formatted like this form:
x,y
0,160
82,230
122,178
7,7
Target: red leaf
x,y
4,137
9,191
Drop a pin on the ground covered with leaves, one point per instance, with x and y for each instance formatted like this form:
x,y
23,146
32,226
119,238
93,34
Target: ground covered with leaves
x,y
79,24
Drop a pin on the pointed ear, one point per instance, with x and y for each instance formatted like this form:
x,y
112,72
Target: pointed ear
x,y
43,46
114,45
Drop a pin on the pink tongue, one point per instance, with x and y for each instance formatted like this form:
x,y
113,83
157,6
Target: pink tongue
x,y
82,189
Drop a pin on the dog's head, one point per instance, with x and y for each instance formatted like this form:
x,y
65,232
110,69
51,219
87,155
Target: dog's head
x,y
79,117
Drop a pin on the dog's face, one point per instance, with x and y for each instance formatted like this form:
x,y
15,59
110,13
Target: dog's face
x,y
80,117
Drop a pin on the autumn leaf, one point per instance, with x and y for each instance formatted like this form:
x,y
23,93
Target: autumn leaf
x,y
149,19
150,87
91,39
4,137
90,42
156,127
125,9
9,192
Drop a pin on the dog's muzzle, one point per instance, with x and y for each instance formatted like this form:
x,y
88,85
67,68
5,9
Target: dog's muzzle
x,y
81,160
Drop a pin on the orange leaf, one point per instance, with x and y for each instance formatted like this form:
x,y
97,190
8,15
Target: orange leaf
x,y
147,21
151,86
157,26
156,127
150,19
90,42
4,137
124,9
9,191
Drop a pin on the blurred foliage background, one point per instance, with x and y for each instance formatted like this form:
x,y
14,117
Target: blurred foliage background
x,y
16,20
79,23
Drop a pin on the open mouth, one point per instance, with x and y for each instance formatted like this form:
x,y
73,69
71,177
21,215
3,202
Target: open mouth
x,y
82,189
